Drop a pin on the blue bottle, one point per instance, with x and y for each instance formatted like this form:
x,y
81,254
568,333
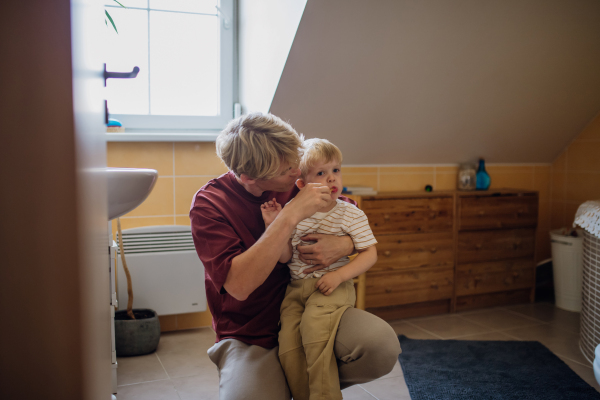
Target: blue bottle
x,y
482,180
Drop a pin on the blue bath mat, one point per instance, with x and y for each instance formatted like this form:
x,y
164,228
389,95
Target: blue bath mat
x,y
488,370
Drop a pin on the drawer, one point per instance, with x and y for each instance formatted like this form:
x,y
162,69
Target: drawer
x,y
419,250
496,276
495,245
409,215
405,287
497,212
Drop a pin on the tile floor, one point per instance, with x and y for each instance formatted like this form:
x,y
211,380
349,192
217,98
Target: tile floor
x,y
181,370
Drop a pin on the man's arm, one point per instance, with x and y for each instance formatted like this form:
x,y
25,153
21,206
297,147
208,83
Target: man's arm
x,y
327,250
287,254
251,268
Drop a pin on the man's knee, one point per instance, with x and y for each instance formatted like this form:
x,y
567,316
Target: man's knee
x,y
362,335
248,372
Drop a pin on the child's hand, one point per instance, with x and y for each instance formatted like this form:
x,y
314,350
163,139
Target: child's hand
x,y
270,210
328,282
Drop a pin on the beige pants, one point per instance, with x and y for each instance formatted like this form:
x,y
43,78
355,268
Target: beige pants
x,y
309,323
366,348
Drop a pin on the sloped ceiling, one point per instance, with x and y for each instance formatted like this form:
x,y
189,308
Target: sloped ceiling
x,y
437,81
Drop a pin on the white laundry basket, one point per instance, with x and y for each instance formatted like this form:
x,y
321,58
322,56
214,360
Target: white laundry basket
x,y
567,269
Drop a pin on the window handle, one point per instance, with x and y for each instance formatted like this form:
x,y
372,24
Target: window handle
x,y
121,75
226,19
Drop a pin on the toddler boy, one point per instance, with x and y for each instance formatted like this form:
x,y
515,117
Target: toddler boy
x,y
315,302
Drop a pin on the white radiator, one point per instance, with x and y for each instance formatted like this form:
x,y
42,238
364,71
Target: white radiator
x,y
166,273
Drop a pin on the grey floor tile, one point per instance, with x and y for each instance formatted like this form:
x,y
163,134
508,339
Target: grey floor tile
x,y
586,373
179,363
409,330
139,369
541,311
192,339
561,342
356,393
547,312
498,319
157,390
388,389
450,326
198,387
396,371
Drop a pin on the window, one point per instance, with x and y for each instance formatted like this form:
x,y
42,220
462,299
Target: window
x,y
185,52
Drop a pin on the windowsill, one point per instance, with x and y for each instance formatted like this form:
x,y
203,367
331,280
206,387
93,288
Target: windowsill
x,y
206,136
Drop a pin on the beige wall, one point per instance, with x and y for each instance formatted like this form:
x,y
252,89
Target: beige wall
x,y
576,175
184,167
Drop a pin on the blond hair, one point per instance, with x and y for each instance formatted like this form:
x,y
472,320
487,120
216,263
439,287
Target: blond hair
x,y
318,150
256,145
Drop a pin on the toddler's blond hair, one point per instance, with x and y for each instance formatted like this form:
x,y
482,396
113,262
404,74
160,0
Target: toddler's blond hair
x,y
318,150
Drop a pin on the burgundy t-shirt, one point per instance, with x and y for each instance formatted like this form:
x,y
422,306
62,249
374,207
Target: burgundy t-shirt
x,y
226,221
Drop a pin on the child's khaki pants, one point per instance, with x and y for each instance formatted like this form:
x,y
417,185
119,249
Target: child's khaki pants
x,y
309,322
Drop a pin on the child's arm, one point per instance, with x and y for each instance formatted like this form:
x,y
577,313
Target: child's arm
x,y
270,210
365,259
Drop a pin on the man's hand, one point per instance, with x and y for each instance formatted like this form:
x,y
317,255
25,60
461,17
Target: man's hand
x,y
310,199
327,250
269,211
329,282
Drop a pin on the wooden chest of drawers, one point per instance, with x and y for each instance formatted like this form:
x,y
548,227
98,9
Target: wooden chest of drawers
x,y
447,251
495,260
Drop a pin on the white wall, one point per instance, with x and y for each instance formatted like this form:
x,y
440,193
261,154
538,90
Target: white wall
x,y
266,30
436,81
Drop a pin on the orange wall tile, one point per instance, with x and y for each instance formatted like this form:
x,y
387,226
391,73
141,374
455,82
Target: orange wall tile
x,y
575,175
159,202
369,180
158,156
445,181
197,159
405,181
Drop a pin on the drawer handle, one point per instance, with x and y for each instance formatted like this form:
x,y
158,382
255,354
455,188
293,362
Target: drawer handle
x,y
434,285
386,217
433,250
388,290
387,253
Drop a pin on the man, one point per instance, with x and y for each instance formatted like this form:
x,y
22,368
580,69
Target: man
x,y
245,283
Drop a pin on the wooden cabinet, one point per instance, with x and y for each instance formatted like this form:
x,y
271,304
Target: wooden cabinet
x,y
495,262
409,215
414,273
447,251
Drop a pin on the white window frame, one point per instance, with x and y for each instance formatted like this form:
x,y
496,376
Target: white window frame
x,y
191,128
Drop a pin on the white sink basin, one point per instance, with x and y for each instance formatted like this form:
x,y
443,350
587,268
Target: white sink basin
x,y
128,188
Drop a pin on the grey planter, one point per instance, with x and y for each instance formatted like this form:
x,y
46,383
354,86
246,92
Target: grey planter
x,y
134,337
